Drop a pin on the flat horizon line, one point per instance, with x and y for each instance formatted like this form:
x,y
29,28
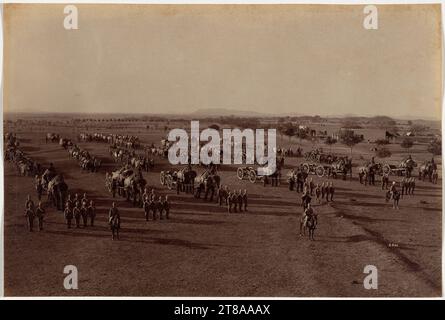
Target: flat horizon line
x,y
196,113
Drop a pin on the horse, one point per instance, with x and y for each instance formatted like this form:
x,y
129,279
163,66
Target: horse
x,y
426,169
395,196
308,222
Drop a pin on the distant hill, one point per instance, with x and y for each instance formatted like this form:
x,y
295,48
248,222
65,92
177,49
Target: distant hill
x,y
221,112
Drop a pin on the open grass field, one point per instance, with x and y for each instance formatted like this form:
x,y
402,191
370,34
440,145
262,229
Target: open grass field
x,y
204,251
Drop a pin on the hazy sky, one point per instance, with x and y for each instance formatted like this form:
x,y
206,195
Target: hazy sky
x,y
274,59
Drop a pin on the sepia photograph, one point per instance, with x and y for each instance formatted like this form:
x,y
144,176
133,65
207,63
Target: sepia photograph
x,y
222,150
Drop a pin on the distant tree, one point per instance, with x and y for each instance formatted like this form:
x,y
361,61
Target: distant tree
x,y
435,147
289,131
330,141
350,139
383,153
301,134
407,143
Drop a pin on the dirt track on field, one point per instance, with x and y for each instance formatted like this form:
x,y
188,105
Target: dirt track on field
x,y
204,251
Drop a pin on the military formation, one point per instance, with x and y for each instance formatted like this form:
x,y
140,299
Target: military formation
x,y
234,200
79,212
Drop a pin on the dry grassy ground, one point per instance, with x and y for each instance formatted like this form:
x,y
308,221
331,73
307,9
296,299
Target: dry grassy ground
x,y
204,251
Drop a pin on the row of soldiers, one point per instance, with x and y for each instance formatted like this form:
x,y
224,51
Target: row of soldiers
x,y
322,191
32,212
151,203
234,200
79,209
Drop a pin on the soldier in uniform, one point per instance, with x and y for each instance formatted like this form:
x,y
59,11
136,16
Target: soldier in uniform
x,y
327,191
84,201
305,198
29,203
311,186
291,180
323,190
240,200
245,199
146,207
222,194
385,181
114,220
331,191
318,193
308,212
39,187
69,202
29,214
91,212
299,181
68,215
76,213
229,202
152,206
413,185
393,189
166,207
113,187
84,213
40,212
159,207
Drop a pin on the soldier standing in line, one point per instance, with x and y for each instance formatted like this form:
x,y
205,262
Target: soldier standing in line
x,y
29,214
222,194
146,207
39,187
413,185
159,207
166,207
69,202
91,212
318,193
152,206
311,187
404,185
306,185
327,191
84,213
76,198
76,213
153,195
113,187
84,200
229,202
331,191
245,199
68,215
240,200
291,180
29,203
323,190
234,201
385,181
40,212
